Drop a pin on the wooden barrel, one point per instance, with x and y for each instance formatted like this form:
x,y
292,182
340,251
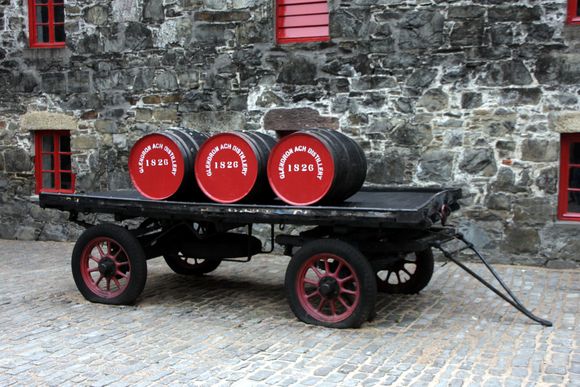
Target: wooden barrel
x,y
316,166
232,167
161,164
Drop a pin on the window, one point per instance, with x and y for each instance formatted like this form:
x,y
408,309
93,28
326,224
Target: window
x,y
302,21
53,162
46,23
573,11
569,190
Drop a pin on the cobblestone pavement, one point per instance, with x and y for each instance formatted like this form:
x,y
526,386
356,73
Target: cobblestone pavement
x,y
234,327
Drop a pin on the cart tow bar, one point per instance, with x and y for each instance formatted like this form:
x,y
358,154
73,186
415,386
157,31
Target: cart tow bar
x,y
512,299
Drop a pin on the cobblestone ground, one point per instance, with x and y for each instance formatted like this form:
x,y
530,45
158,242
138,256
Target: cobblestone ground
x,y
234,327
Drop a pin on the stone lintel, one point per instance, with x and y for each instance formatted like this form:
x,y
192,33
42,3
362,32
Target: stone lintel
x,y
289,120
565,122
47,121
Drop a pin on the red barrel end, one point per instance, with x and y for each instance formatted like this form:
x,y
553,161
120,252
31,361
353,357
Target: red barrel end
x,y
301,169
226,167
156,166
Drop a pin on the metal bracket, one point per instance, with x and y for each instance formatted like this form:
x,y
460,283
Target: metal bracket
x,y
509,298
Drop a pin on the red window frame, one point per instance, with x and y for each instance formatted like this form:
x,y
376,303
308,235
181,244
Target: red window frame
x,y
56,170
564,192
50,24
300,21
573,9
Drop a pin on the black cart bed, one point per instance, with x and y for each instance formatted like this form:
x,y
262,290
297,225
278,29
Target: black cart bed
x,y
381,207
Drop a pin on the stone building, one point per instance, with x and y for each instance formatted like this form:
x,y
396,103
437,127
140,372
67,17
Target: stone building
x,y
480,94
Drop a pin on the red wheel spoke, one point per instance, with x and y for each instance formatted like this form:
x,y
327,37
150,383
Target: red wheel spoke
x,y
310,282
347,291
93,269
94,259
337,271
332,308
321,305
100,248
116,281
315,270
315,293
124,263
121,274
343,280
108,284
99,280
343,302
326,266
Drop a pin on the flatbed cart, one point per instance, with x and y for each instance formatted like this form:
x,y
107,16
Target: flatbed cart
x,y
378,240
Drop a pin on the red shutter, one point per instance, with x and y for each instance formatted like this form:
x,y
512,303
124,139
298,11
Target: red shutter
x,y
573,12
302,21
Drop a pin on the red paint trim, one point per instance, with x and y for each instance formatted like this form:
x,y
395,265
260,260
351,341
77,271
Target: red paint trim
x,y
51,23
301,21
566,140
39,168
573,8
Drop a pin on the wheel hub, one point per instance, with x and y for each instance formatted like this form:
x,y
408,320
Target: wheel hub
x,y
107,267
328,287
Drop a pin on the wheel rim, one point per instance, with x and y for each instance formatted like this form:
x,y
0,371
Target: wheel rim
x,y
328,288
399,272
105,267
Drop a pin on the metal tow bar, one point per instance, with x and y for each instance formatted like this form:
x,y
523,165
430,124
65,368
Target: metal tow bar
x,y
512,299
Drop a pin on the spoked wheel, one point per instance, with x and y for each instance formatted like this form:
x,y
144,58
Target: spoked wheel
x,y
409,275
183,265
108,265
330,283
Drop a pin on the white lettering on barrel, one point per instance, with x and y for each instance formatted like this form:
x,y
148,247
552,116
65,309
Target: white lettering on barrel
x,y
156,161
282,163
144,152
318,160
209,158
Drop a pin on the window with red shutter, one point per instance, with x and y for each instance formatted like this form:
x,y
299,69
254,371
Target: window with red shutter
x,y
573,12
52,164
302,21
569,189
46,23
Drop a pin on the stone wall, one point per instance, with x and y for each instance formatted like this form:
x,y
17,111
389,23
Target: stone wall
x,y
460,93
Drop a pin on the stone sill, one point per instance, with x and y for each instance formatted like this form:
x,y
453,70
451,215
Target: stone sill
x,y
567,223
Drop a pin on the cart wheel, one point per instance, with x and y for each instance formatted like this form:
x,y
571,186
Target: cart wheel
x,y
330,283
408,275
108,265
191,266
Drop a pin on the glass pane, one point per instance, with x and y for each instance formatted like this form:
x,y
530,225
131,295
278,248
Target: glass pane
x,y
575,153
574,201
48,180
47,162
59,13
65,181
64,143
42,34
41,14
65,163
574,178
59,35
47,144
